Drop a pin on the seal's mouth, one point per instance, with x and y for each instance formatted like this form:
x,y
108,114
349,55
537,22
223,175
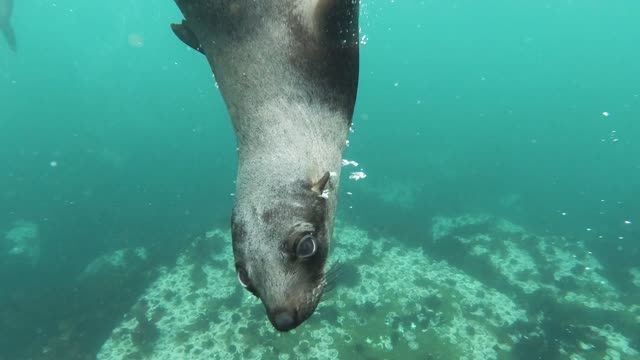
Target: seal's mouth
x,y
285,319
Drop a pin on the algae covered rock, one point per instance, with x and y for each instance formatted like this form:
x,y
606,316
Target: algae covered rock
x,y
123,260
22,242
482,288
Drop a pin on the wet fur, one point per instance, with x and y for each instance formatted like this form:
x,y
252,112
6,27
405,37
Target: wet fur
x,y
288,72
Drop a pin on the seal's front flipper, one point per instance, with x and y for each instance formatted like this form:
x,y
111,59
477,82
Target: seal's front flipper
x,y
7,30
184,33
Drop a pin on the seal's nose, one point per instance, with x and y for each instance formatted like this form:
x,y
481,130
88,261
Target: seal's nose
x,y
285,320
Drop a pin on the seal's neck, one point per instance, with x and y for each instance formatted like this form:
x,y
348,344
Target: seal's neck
x,y
286,142
290,135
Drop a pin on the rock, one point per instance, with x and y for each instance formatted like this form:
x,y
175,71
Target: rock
x,y
23,242
118,261
401,302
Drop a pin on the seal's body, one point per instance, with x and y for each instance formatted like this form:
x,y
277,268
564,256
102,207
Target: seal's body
x,y
288,72
6,9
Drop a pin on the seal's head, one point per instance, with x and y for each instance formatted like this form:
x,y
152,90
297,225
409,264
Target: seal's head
x,y
280,251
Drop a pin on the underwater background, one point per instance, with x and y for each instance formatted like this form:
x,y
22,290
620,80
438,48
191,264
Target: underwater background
x,y
499,219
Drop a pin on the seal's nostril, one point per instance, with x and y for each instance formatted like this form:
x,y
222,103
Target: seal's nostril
x,y
284,320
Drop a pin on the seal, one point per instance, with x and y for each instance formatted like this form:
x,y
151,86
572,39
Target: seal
x,y
6,9
288,73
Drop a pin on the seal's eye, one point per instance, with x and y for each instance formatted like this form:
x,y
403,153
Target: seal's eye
x,y
243,277
306,246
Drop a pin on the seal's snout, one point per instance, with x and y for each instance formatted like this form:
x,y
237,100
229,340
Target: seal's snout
x,y
285,320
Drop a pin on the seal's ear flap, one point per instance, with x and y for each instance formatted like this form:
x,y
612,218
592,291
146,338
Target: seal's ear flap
x,y
184,33
319,186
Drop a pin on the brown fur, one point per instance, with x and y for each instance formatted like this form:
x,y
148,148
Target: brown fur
x,y
288,72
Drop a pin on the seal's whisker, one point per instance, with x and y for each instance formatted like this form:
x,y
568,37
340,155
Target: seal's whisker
x,y
326,293
334,272
331,278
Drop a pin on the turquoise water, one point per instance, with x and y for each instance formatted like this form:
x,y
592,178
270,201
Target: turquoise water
x,y
115,137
